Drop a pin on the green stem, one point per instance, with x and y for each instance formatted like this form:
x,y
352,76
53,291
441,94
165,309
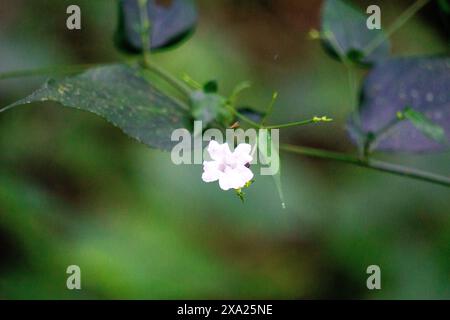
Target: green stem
x,y
291,124
381,134
270,108
179,85
242,117
237,91
351,76
145,30
278,126
397,24
146,51
299,123
370,164
353,94
146,48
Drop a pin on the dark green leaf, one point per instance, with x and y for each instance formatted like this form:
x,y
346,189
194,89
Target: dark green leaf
x,y
425,125
345,33
171,22
120,95
420,83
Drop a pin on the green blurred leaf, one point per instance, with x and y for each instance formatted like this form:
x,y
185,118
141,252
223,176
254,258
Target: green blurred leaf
x,y
425,125
119,94
345,33
444,5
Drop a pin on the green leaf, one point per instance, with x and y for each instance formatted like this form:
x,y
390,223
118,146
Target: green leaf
x,y
123,97
345,34
425,125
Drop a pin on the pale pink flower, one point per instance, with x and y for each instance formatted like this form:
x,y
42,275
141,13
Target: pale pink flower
x,y
229,168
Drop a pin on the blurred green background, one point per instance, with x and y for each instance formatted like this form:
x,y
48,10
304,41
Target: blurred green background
x,y
75,190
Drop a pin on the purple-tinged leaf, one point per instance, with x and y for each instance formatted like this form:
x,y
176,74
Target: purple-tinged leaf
x,y
422,84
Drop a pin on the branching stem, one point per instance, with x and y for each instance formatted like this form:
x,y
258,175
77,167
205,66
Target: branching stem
x,y
369,163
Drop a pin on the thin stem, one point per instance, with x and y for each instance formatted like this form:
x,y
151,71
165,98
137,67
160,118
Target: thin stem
x,y
191,82
353,93
397,24
319,153
269,108
145,30
299,123
353,85
370,164
329,35
291,124
351,77
381,134
408,172
179,85
242,117
146,51
279,126
237,91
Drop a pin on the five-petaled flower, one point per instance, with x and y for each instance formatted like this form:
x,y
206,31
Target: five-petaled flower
x,y
230,168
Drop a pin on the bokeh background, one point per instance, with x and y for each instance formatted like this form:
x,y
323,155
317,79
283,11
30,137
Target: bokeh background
x,y
75,190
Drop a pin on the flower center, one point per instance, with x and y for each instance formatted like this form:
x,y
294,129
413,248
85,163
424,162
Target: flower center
x,y
227,164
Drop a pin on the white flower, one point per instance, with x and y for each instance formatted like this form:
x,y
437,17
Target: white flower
x,y
230,168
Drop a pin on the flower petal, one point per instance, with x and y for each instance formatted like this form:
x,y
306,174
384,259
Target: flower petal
x,y
211,171
229,181
242,154
235,178
224,183
218,151
245,173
